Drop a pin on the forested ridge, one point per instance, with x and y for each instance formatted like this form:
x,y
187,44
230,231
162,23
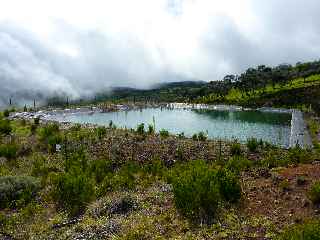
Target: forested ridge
x,y
284,85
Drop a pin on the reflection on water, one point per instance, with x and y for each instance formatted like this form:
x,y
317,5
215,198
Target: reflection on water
x,y
248,116
241,125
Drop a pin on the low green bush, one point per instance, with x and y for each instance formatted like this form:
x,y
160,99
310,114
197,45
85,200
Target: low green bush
x,y
238,164
36,121
76,127
164,133
16,191
314,193
42,169
274,158
301,180
53,141
9,150
196,191
48,130
6,113
235,148
252,144
140,128
50,136
155,168
202,136
306,231
123,179
110,124
181,135
298,155
33,128
195,137
151,129
199,190
76,161
99,169
5,127
284,185
229,185
73,190
101,132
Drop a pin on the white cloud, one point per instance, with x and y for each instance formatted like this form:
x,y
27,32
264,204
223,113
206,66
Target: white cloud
x,y
85,46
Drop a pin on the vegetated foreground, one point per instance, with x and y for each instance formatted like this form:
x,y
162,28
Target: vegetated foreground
x,y
62,182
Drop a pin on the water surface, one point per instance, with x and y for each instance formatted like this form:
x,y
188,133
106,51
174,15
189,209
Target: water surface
x,y
240,125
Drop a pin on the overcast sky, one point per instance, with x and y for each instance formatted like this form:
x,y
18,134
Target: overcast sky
x,y
80,47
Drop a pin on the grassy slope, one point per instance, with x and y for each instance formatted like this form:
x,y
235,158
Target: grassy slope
x,y
295,93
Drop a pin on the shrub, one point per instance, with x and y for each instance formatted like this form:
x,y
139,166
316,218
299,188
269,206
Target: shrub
x,y
6,113
140,128
285,185
202,136
301,180
16,191
36,121
76,161
195,137
9,151
123,205
5,127
179,154
274,159
252,144
76,127
40,168
306,231
48,130
50,135
33,128
110,124
151,129
155,168
101,131
230,188
181,135
298,155
164,133
73,190
23,122
123,179
238,164
53,141
261,143
314,193
199,189
196,191
235,148
100,169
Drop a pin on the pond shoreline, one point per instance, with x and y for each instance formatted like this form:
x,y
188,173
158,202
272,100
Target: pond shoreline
x,y
299,134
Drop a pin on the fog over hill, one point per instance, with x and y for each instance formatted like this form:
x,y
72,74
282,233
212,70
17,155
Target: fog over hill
x,y
78,48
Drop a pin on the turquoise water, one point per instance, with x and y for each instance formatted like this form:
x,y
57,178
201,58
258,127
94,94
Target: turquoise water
x,y
240,125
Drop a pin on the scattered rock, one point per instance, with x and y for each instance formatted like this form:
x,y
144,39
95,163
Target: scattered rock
x,y
264,172
96,233
123,206
301,180
276,178
67,223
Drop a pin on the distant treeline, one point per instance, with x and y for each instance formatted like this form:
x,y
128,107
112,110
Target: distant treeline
x,y
247,83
